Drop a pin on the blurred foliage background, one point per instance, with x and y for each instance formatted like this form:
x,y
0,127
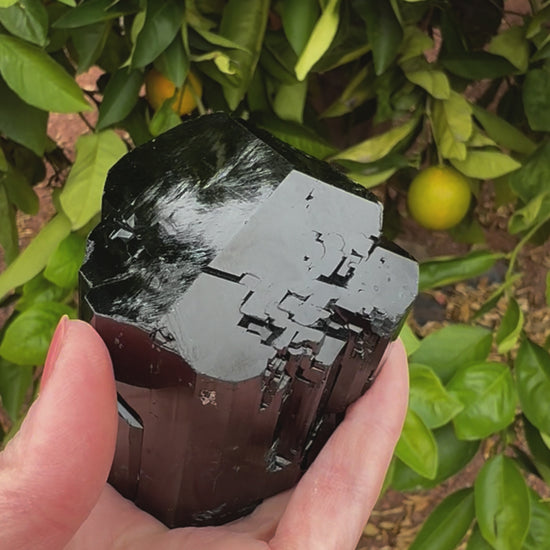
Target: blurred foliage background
x,y
383,89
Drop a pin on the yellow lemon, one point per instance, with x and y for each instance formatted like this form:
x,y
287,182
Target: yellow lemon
x,y
158,89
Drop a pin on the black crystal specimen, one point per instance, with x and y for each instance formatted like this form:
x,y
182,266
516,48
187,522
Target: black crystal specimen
x,y
246,298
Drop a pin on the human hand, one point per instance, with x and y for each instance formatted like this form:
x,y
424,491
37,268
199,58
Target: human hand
x,y
53,491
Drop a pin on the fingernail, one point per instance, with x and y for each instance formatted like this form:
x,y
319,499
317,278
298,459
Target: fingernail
x,y
53,353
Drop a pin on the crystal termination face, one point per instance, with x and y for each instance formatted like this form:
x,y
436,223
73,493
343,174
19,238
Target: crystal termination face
x,y
246,298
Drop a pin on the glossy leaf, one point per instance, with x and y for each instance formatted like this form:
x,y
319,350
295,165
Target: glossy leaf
x,y
63,265
415,43
13,110
244,22
503,505
38,289
489,397
27,19
9,240
20,193
478,65
536,99
434,82
485,164
512,45
120,97
540,453
476,540
93,11
173,62
533,213
416,446
452,347
409,338
533,383
15,382
448,270
33,75
320,39
27,338
453,455
429,399
503,132
452,125
7,3
384,32
290,100
89,43
164,119
299,19
532,178
162,23
448,523
33,259
95,154
510,327
372,179
539,527
379,146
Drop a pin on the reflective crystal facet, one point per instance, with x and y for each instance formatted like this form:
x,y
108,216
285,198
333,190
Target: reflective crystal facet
x,y
246,297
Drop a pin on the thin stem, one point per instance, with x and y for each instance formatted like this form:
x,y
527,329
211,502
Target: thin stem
x,y
514,254
85,120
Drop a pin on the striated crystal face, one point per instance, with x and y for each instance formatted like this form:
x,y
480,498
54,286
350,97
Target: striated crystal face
x,y
247,298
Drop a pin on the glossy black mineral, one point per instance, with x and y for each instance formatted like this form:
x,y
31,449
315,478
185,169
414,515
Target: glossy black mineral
x,y
246,298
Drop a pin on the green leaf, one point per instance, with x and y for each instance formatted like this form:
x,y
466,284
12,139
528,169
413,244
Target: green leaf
x,y
429,399
38,79
27,19
537,21
512,45
89,42
13,110
164,119
434,82
20,193
120,96
7,3
38,290
536,99
93,11
485,164
533,382
532,178
503,132
320,39
162,23
15,383
8,228
33,259
173,62
27,338
379,146
503,505
510,327
63,265
448,523
372,179
244,22
478,65
415,43
290,100
95,154
489,397
298,22
447,270
535,212
539,527
452,125
409,338
476,540
540,453
452,347
416,446
384,32
453,455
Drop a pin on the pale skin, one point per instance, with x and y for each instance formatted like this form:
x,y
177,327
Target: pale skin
x,y
53,491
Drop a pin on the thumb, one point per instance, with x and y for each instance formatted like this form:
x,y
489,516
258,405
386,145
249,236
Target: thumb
x,y
53,471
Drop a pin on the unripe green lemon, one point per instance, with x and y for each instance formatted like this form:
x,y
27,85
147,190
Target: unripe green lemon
x,y
439,197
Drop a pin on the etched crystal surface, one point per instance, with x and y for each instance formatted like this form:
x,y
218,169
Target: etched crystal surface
x,y
247,298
